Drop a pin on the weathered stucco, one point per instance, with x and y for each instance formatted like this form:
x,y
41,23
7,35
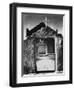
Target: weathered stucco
x,y
29,49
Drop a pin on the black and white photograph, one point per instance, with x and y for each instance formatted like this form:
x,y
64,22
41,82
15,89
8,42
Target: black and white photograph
x,y
42,50
40,44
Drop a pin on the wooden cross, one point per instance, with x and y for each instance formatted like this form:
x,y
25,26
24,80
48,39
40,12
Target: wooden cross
x,y
46,21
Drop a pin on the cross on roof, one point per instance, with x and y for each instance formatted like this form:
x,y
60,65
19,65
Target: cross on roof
x,y
46,22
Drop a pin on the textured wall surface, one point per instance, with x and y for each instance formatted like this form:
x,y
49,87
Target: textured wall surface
x,y
30,49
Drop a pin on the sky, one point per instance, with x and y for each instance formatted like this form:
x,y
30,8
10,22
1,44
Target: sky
x,y
30,20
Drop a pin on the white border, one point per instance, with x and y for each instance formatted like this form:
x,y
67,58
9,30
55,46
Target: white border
x,y
50,77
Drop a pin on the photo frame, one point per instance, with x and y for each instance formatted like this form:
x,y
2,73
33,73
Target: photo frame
x,y
40,44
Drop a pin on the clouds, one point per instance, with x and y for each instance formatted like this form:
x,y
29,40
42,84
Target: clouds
x,y
30,20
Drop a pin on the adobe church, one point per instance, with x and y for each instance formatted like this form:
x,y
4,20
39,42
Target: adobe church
x,y
43,50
